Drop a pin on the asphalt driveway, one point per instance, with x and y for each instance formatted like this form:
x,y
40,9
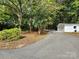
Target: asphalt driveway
x,y
54,46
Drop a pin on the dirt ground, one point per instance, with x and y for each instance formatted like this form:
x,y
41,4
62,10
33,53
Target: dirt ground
x,y
29,38
76,34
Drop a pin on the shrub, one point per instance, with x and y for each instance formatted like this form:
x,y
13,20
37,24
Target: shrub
x,y
10,34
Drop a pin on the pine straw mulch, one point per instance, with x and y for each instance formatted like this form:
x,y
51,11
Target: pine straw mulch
x,y
29,38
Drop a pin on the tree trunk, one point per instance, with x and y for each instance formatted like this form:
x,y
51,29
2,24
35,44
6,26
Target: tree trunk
x,y
39,31
30,25
19,20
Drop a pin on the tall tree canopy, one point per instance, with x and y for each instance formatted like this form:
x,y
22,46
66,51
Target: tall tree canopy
x,y
16,7
36,13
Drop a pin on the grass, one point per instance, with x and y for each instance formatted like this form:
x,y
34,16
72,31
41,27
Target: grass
x,y
28,38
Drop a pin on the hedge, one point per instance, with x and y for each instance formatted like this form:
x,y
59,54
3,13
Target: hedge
x,y
10,34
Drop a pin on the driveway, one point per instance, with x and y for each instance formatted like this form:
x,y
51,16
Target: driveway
x,y
54,46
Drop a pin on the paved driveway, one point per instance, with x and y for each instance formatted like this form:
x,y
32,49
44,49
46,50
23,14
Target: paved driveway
x,y
54,46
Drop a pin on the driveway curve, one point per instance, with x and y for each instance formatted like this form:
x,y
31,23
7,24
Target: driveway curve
x,y
55,46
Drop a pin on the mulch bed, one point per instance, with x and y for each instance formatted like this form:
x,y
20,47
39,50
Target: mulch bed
x,y
29,38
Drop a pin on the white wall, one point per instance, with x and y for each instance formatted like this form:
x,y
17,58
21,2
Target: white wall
x,y
70,28
77,28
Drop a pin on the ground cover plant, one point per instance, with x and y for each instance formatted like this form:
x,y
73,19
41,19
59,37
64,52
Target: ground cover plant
x,y
10,34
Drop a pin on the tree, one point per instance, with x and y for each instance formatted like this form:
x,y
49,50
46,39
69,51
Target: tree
x,y
69,13
75,6
4,17
45,14
31,12
3,14
16,7
38,13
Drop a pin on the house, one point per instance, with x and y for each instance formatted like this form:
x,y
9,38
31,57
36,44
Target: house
x,y
68,27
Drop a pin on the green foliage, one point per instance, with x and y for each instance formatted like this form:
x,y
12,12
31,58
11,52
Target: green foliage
x,y
10,34
3,14
39,14
69,13
42,13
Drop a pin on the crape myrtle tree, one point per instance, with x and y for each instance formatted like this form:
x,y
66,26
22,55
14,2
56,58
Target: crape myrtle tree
x,y
4,17
17,7
45,11
3,14
5,21
32,5
38,13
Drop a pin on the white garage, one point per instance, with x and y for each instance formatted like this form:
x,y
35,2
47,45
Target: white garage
x,y
68,27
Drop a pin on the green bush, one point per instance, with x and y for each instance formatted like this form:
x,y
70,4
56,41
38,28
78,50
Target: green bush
x,y
10,34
